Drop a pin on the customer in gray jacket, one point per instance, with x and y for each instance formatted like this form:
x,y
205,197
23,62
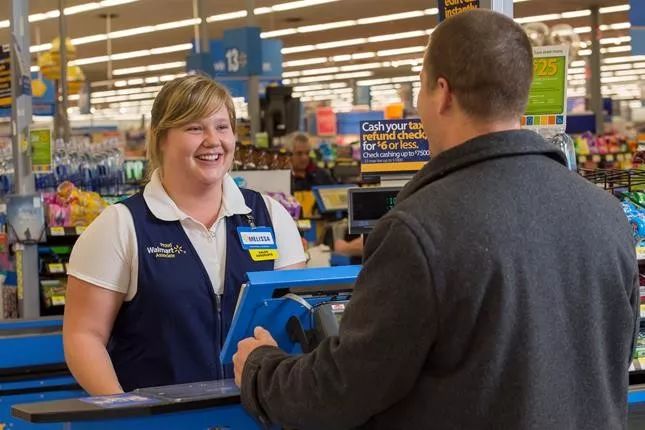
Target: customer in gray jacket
x,y
500,293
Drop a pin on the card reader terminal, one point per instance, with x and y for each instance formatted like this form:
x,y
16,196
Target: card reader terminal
x,y
327,318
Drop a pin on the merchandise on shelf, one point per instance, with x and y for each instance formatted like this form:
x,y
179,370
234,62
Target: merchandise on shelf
x,y
605,151
634,207
289,202
70,206
95,167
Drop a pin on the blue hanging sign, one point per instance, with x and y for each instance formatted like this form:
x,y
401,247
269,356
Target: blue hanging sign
x,y
637,20
243,51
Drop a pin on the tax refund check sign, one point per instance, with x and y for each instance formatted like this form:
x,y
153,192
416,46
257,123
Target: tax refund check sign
x,y
393,146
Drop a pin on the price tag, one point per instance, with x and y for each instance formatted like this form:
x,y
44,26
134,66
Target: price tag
x,y
620,157
609,157
80,229
58,300
304,224
56,268
640,252
596,158
57,231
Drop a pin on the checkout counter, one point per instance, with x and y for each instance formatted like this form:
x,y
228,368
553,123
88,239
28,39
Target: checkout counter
x,y
299,307
32,368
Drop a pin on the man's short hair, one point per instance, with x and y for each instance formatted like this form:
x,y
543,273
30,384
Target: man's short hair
x,y
297,137
487,60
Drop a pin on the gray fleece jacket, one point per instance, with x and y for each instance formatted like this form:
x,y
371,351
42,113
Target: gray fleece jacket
x,y
500,293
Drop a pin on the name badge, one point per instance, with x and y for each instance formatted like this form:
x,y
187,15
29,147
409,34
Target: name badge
x,y
259,241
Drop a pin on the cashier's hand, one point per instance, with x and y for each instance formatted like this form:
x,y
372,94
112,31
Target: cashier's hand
x,y
246,346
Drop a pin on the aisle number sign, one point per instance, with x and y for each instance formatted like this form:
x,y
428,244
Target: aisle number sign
x,y
41,149
393,146
547,105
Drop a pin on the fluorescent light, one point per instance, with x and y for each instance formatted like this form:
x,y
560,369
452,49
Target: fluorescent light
x,y
296,49
622,79
396,36
90,60
345,57
322,71
538,18
631,58
391,17
616,67
581,30
575,70
341,43
43,16
40,48
150,68
628,72
370,82
616,26
227,16
321,78
611,9
417,69
615,40
305,62
433,11
363,55
576,13
625,48
363,66
295,5
401,51
328,26
278,33
584,52
578,63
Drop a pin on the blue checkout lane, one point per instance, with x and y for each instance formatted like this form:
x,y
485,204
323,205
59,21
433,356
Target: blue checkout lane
x,y
32,369
637,396
262,303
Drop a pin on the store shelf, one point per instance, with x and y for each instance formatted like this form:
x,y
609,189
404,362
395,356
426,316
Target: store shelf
x,y
597,158
65,231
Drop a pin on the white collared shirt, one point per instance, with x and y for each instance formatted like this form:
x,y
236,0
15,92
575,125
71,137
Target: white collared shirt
x,y
106,254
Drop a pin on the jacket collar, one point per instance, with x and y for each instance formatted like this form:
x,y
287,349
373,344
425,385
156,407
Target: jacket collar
x,y
482,148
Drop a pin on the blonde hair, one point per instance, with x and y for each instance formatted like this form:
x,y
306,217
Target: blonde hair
x,y
180,102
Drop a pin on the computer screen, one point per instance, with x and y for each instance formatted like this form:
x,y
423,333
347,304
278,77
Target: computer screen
x,y
332,198
368,205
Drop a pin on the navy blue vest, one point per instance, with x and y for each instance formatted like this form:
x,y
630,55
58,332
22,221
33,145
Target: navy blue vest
x,y
172,331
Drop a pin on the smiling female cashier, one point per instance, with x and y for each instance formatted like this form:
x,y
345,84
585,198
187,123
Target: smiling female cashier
x,y
153,282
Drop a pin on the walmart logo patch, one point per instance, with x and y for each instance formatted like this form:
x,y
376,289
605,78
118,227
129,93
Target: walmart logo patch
x,y
166,250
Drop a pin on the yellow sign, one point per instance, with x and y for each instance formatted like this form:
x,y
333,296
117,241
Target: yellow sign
x,y
263,254
80,229
57,231
56,268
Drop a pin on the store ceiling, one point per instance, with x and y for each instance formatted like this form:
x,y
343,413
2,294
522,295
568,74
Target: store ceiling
x,y
140,13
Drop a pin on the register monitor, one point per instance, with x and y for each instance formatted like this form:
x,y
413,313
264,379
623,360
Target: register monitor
x,y
331,198
368,205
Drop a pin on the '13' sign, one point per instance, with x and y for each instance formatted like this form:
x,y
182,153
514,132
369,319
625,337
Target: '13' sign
x,y
233,60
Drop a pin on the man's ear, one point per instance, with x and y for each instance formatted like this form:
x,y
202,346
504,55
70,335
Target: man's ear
x,y
445,99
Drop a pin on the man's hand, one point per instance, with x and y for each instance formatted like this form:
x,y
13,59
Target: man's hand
x,y
246,346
